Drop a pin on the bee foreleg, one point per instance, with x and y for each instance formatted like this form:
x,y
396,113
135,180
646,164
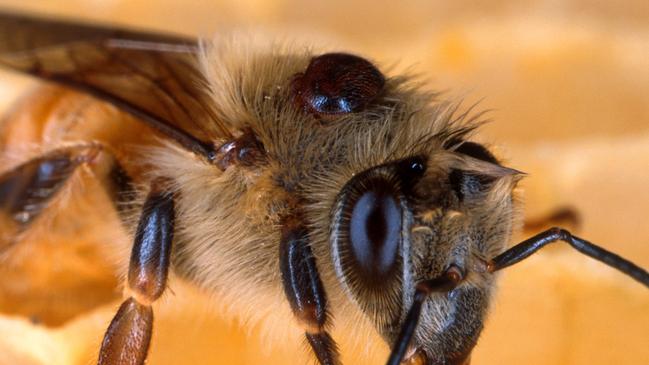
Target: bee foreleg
x,y
444,283
304,290
126,341
526,248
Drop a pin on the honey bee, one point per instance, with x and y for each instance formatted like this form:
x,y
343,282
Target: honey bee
x,y
308,182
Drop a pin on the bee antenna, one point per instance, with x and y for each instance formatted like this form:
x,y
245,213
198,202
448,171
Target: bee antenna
x,y
526,248
443,283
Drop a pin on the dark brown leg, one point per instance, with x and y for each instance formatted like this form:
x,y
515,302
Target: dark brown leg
x,y
526,248
127,339
304,290
444,283
117,184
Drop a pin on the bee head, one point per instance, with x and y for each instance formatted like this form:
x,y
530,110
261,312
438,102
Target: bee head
x,y
406,221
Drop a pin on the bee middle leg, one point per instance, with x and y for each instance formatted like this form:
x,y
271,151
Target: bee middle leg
x,y
304,290
127,338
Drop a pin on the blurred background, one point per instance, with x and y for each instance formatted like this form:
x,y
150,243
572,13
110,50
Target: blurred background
x,y
567,83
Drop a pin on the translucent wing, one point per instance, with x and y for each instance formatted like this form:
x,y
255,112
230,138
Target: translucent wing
x,y
154,77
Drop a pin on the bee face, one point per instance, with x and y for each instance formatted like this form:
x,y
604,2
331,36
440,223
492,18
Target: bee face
x,y
407,221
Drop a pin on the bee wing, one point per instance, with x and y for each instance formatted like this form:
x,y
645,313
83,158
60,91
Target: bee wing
x,y
154,77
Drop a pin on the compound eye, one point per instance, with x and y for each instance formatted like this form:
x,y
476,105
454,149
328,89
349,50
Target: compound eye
x,y
337,83
370,231
375,232
476,150
369,235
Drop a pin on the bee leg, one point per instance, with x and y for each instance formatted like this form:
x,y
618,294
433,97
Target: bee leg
x,y
27,189
443,283
304,290
126,341
526,248
118,185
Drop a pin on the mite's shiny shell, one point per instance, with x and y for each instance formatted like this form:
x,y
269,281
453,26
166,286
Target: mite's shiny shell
x,y
336,83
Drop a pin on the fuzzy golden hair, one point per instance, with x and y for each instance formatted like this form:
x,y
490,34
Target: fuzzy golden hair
x,y
229,222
